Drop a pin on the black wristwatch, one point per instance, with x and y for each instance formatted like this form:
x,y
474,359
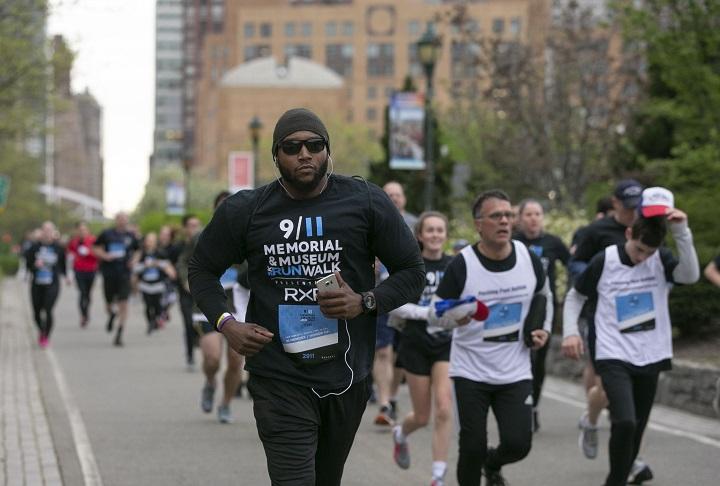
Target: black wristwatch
x,y
368,302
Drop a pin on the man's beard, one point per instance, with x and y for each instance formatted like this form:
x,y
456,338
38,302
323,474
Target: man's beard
x,y
304,186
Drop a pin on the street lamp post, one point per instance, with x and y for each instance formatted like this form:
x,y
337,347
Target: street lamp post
x,y
255,126
428,48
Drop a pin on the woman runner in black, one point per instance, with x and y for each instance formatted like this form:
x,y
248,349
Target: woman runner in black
x,y
45,261
152,271
425,354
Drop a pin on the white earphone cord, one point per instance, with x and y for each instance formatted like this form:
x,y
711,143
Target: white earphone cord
x,y
352,373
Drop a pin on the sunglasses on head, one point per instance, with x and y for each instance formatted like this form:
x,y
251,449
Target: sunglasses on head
x,y
293,147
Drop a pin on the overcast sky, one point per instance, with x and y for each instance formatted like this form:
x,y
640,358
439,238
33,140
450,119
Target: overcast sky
x,y
114,44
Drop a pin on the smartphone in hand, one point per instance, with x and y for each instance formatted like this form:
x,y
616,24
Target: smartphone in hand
x,y
328,282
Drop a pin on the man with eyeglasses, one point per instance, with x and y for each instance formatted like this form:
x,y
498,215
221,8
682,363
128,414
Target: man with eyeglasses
x,y
489,360
309,352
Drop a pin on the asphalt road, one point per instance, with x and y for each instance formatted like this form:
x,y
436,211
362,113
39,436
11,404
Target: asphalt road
x,y
134,415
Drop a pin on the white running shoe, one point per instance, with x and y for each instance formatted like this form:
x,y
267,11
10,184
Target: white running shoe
x,y
588,439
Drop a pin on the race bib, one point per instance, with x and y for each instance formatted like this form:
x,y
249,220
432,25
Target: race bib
x,y
83,250
503,323
43,277
117,250
635,312
307,336
151,274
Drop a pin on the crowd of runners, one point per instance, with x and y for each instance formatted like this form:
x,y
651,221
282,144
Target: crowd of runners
x,y
464,325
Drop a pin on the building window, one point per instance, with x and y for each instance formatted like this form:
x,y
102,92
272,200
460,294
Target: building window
x,y
515,25
306,29
389,92
414,28
290,29
266,29
371,92
464,59
255,51
348,28
371,114
498,26
380,59
339,57
414,67
298,50
331,29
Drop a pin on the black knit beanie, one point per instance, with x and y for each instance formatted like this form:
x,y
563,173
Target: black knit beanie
x,y
296,120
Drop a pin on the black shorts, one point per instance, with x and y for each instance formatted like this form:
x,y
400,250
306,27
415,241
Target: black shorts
x,y
116,287
203,327
418,359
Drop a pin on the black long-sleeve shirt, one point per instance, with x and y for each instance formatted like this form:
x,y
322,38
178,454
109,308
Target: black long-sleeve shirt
x,y
288,245
52,259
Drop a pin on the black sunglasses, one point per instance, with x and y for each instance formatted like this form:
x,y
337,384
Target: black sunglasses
x,y
292,147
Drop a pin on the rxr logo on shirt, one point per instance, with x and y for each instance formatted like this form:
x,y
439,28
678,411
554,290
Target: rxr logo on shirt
x,y
304,256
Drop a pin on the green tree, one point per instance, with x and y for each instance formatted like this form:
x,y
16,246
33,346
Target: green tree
x,y
540,118
676,139
23,101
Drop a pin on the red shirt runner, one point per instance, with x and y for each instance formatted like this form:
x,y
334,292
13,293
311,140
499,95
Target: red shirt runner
x,y
83,258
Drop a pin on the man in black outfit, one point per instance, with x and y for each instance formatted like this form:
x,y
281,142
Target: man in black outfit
x,y
115,248
550,249
309,352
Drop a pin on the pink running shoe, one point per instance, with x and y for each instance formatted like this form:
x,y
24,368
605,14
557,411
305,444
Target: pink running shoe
x,y
43,341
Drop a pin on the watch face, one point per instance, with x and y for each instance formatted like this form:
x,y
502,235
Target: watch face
x,y
369,301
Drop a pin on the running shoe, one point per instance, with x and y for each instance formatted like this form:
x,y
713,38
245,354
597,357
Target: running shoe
x,y
383,417
639,473
493,477
83,321
118,340
393,410
206,402
437,482
401,451
588,438
43,341
224,414
110,321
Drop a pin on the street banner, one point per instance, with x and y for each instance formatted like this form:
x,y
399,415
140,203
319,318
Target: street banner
x,y
4,191
240,171
174,198
407,135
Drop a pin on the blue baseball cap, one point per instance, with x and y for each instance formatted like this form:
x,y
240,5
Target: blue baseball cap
x,y
629,193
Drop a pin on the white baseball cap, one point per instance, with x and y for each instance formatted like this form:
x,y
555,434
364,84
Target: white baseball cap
x,y
656,201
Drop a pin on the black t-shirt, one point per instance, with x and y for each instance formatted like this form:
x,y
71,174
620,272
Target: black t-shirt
x,y
453,281
417,330
717,262
289,244
597,236
51,259
550,249
149,273
121,245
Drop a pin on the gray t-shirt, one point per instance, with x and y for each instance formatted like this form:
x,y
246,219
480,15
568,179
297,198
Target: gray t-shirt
x,y
410,220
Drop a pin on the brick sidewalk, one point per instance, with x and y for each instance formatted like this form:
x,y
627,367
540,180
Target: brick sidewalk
x,y
27,453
